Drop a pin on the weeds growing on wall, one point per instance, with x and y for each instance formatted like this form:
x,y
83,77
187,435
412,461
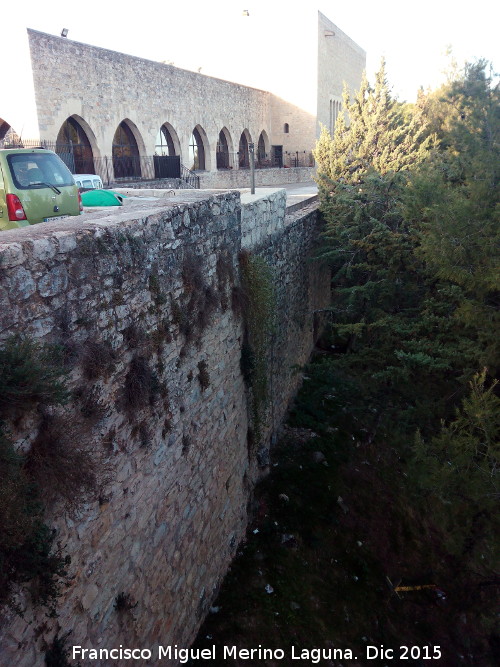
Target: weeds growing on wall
x,y
203,375
91,404
26,545
258,302
57,466
142,386
98,360
30,373
225,276
60,462
124,602
58,653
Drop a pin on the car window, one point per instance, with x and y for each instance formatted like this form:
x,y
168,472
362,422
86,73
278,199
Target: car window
x,y
32,170
87,184
97,184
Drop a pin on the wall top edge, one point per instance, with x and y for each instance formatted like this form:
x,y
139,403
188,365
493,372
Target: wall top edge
x,y
65,40
322,19
116,218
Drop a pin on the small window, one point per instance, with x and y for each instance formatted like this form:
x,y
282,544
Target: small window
x,y
286,128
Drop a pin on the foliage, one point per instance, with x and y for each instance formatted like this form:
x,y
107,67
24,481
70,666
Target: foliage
x,y
412,240
194,310
58,654
60,462
378,136
258,315
124,602
458,472
30,373
412,233
98,360
141,387
56,466
203,375
26,554
386,307
453,200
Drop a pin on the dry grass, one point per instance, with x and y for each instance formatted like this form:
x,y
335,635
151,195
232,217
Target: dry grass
x,y
63,465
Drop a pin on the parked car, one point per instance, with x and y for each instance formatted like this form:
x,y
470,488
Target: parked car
x,y
88,181
35,186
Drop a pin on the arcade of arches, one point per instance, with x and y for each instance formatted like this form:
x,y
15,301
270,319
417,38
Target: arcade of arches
x,y
75,148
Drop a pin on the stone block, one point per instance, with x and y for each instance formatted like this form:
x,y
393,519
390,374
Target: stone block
x,y
11,254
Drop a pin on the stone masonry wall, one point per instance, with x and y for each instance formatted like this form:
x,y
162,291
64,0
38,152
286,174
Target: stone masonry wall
x,y
240,178
340,62
151,290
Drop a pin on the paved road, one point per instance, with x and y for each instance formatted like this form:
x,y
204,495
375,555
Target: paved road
x,y
309,188
295,192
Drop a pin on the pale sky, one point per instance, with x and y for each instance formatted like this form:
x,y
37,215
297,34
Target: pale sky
x,y
267,48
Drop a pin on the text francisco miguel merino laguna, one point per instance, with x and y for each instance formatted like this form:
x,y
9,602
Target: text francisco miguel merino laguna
x,y
183,655
312,655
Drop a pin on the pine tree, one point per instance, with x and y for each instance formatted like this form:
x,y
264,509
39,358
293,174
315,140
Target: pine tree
x,y
454,200
385,305
458,472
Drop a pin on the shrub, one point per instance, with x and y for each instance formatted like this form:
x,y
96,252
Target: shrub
x,y
259,303
30,373
26,545
141,387
203,376
61,464
124,602
97,360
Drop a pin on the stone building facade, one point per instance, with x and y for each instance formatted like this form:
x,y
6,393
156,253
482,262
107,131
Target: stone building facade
x,y
111,113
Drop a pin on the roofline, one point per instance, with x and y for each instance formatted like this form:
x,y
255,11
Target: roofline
x,y
145,60
342,34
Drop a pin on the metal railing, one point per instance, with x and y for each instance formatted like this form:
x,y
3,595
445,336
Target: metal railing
x,y
153,167
190,177
287,159
116,169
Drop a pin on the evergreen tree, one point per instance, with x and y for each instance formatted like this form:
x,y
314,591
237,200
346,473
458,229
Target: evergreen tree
x,y
385,307
458,473
454,200
409,196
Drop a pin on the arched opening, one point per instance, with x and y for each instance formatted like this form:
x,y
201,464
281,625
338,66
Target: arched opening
x,y
224,150
8,136
74,148
286,128
167,161
4,128
263,151
197,156
126,160
243,153
167,141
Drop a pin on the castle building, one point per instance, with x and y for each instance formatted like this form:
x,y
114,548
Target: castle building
x,y
125,117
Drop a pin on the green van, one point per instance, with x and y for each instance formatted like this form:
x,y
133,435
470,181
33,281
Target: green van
x,y
35,186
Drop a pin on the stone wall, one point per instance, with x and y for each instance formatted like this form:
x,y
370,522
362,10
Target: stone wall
x,y
301,126
240,178
148,291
